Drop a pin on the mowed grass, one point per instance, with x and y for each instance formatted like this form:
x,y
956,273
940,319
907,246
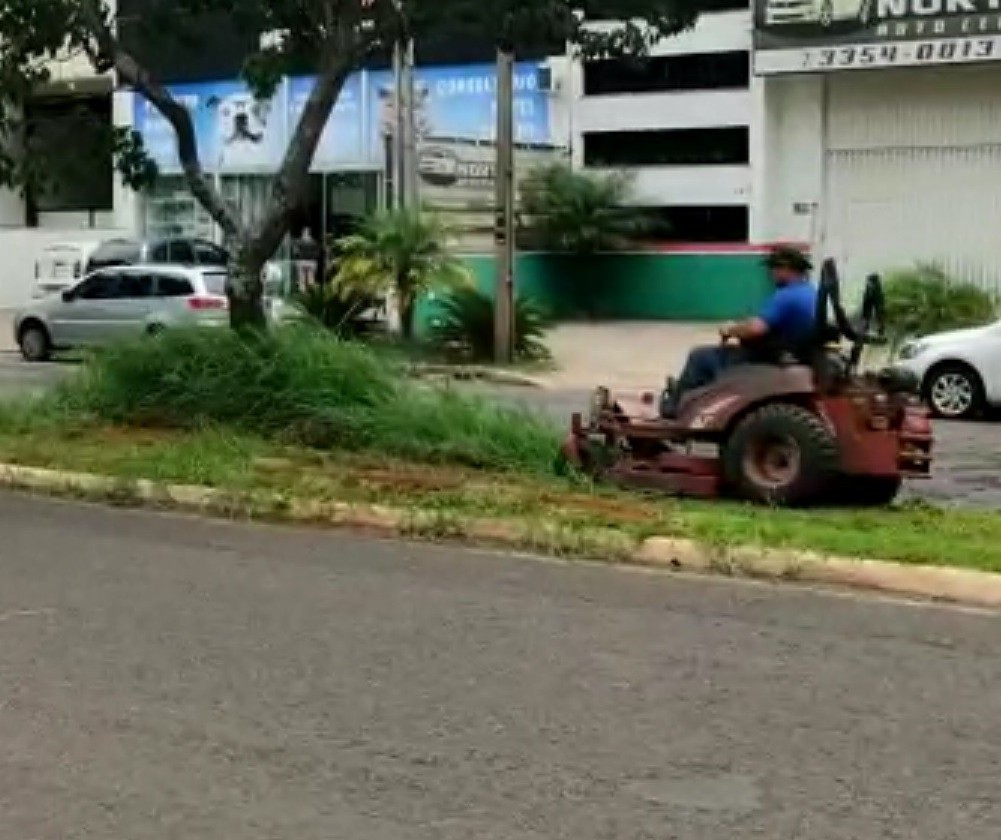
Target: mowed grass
x,y
559,511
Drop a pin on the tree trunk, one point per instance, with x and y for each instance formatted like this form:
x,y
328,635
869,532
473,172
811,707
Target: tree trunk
x,y
407,307
246,293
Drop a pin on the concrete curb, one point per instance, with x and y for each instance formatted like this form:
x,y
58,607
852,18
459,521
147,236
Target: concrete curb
x,y
960,586
472,373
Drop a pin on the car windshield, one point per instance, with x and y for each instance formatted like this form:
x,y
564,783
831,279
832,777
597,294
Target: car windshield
x,y
215,282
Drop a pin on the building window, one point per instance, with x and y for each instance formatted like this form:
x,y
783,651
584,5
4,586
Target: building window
x,y
698,224
667,147
611,10
702,71
82,180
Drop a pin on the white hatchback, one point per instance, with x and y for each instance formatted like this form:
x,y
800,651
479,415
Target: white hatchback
x,y
959,371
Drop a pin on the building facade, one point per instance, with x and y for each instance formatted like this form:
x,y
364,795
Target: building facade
x,y
680,122
880,131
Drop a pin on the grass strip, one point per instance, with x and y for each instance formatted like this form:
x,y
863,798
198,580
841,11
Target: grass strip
x,y
442,496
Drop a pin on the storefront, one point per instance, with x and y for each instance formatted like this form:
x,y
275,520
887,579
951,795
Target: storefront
x,y
880,131
241,143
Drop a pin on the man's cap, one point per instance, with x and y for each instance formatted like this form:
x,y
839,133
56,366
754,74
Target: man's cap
x,y
788,256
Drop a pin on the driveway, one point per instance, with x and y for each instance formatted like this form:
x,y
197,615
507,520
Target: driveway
x,y
172,678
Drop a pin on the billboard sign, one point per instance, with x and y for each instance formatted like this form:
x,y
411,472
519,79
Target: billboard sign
x,y
805,36
236,134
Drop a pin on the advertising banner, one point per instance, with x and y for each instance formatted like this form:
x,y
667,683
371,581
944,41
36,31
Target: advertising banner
x,y
236,134
342,143
803,36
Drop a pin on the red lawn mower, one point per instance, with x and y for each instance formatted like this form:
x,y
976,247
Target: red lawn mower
x,y
807,430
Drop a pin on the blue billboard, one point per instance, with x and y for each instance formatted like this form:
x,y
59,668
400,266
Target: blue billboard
x,y
237,134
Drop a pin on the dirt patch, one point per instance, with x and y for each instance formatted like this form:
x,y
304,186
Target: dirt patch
x,y
616,509
409,480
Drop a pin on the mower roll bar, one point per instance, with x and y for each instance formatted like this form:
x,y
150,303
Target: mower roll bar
x,y
871,326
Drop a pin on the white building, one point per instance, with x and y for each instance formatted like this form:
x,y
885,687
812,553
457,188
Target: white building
x,y
92,207
681,122
887,150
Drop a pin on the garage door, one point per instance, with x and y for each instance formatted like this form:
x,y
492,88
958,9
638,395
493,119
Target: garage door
x,y
914,171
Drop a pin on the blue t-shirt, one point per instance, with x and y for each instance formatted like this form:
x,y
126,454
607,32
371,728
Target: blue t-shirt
x,y
791,313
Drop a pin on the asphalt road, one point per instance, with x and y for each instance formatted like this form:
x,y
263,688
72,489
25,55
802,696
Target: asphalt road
x,y
165,677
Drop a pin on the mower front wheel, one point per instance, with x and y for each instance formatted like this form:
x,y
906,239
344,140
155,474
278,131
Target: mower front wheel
x,y
781,454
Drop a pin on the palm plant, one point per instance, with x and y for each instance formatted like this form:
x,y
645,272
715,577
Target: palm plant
x,y
405,252
579,212
464,322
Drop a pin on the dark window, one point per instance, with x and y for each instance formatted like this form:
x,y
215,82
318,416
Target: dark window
x,y
136,286
160,253
667,147
168,286
703,71
101,287
208,254
181,252
610,10
81,181
115,252
699,224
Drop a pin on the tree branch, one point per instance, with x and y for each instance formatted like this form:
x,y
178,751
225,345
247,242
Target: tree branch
x,y
108,49
292,178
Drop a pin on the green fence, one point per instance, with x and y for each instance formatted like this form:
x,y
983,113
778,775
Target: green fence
x,y
689,285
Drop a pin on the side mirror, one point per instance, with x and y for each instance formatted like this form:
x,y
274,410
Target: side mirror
x,y
68,296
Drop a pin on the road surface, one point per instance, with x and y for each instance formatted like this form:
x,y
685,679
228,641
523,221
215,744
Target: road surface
x,y
165,677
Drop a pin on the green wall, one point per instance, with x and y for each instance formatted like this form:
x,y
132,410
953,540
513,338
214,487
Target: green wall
x,y
688,286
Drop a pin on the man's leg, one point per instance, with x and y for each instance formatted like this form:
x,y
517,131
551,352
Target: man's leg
x,y
703,366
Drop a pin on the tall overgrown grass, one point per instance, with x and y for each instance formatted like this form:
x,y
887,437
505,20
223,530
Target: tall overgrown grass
x,y
302,386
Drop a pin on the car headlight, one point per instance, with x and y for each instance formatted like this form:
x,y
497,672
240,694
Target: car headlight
x,y
912,350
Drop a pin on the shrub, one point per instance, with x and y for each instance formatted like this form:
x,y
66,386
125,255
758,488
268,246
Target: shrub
x,y
925,299
405,252
344,311
302,386
465,322
578,212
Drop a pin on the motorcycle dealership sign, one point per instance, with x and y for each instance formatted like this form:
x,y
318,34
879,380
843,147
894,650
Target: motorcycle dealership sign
x,y
804,36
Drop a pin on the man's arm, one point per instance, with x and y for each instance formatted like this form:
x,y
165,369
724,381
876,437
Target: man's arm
x,y
760,325
748,329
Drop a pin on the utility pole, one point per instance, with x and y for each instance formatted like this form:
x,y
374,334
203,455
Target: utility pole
x,y
398,121
504,225
409,128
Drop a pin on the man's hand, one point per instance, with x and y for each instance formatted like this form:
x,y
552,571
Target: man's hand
x,y
747,330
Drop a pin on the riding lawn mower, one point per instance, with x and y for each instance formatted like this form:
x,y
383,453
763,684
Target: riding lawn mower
x,y
810,429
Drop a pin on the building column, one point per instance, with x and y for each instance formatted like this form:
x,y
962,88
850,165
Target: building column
x,y
128,205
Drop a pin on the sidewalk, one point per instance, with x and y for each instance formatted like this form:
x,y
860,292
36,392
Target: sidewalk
x,y
634,355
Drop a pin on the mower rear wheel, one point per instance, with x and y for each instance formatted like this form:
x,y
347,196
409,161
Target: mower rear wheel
x,y
781,454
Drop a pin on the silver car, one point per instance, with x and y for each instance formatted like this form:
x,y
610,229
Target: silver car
x,y
122,302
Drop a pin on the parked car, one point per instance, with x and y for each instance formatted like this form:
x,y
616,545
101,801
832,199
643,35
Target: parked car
x,y
168,251
120,302
959,371
823,13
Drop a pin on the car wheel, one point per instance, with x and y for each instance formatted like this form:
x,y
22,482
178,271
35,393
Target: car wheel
x,y
954,392
35,343
781,454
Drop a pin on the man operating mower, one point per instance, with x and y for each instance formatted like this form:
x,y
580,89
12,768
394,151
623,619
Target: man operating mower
x,y
785,325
